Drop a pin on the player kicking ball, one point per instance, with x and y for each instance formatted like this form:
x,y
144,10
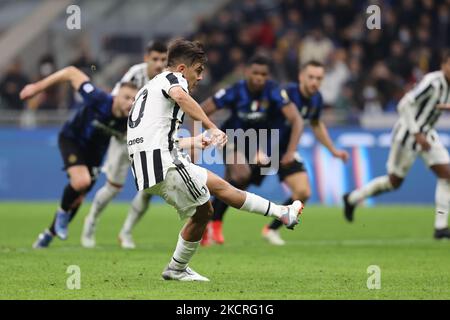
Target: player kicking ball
x,y
83,140
414,135
117,165
161,167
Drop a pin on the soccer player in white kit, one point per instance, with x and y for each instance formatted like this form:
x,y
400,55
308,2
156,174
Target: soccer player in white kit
x,y
414,135
117,165
161,167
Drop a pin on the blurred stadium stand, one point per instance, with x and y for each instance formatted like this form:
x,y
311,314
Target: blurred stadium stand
x,y
367,70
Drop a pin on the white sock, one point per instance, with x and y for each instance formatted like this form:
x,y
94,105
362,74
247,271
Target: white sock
x,y
183,253
442,198
137,209
373,188
256,204
103,196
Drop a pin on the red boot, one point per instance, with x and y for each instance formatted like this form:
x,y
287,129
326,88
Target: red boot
x,y
206,239
217,234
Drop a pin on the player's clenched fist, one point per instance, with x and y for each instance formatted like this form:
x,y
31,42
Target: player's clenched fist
x,y
218,137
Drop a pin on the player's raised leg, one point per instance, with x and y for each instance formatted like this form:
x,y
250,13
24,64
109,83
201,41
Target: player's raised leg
x,y
399,162
298,183
189,238
250,202
375,187
138,207
238,174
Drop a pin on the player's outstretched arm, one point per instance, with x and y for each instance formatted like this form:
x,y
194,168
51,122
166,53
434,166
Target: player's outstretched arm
x,y
293,117
193,109
321,134
200,141
75,76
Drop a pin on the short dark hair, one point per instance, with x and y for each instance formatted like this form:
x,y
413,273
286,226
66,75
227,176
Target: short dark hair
x,y
312,63
185,51
128,84
157,46
260,59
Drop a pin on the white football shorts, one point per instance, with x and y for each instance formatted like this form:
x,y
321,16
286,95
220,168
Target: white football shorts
x,y
401,158
117,164
184,188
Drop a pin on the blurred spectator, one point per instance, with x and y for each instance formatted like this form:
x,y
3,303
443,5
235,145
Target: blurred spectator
x,y
397,63
86,63
372,102
366,69
336,76
10,85
51,98
315,47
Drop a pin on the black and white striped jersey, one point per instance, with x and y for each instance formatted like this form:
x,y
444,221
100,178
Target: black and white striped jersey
x,y
418,108
137,74
152,133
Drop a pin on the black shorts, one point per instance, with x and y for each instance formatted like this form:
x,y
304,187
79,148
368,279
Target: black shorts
x,y
74,155
283,171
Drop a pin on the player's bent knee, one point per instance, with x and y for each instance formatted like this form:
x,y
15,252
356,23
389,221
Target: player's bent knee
x,y
302,195
114,188
396,182
81,183
204,213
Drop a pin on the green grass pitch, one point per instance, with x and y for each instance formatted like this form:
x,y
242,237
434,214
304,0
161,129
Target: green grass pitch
x,y
325,257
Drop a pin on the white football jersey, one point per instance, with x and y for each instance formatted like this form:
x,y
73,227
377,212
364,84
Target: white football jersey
x,y
418,108
137,74
152,134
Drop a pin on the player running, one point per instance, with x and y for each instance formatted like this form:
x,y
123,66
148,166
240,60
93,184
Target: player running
x,y
255,103
308,99
83,140
117,164
414,135
160,166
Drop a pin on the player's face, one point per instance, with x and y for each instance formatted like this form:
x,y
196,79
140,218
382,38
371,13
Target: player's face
x,y
156,62
311,79
257,75
123,102
446,69
193,74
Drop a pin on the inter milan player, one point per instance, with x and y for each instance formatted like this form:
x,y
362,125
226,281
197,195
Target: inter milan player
x,y
255,102
83,140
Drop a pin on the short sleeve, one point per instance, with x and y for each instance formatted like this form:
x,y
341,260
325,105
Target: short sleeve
x,y
174,79
95,98
280,97
224,97
424,88
91,94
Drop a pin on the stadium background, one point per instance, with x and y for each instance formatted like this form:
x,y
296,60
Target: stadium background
x,y
367,73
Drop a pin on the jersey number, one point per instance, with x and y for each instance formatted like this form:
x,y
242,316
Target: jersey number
x,y
134,123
